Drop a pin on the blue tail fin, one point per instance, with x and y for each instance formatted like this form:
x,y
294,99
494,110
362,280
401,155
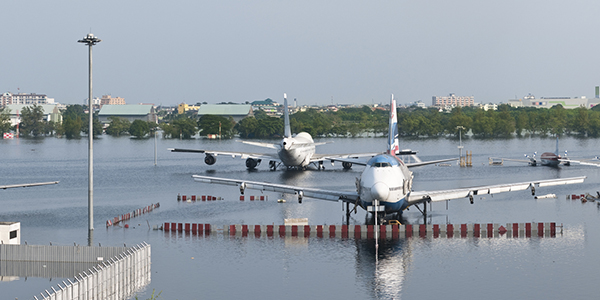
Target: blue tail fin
x,y
286,118
393,144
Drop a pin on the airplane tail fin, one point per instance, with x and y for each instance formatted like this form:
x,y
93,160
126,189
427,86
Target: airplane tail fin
x,y
393,144
286,118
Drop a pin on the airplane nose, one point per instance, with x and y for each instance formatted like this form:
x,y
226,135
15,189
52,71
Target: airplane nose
x,y
380,191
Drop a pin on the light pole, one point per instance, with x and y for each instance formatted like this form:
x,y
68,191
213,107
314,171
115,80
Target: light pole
x,y
90,40
460,147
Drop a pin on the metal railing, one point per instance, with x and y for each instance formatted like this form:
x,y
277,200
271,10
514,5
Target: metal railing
x,y
119,272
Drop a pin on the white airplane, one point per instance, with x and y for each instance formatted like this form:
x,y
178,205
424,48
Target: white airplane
x,y
549,159
26,184
295,152
385,185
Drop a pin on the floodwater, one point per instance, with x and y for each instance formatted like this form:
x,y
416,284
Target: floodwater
x,y
223,267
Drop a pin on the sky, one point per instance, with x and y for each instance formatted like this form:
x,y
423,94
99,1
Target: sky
x,y
318,52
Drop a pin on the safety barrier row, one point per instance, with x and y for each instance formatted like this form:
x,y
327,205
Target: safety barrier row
x,y
197,197
194,198
135,213
515,230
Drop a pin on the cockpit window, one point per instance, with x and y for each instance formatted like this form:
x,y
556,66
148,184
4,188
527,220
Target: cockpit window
x,y
381,164
382,161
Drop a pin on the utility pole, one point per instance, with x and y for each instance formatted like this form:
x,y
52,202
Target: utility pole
x,y
90,40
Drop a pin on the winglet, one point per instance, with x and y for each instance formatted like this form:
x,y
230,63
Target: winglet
x,y
286,118
393,144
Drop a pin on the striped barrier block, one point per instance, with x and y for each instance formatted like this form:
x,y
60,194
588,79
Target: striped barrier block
x,y
490,230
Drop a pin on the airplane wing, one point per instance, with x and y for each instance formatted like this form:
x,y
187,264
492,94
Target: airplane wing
x,y
590,162
511,159
26,184
264,145
363,162
422,163
242,155
329,195
354,158
441,195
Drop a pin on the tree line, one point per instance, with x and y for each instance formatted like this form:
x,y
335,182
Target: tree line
x,y
346,122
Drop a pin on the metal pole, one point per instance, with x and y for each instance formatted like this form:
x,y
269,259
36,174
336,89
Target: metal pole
x,y
90,41
155,147
91,150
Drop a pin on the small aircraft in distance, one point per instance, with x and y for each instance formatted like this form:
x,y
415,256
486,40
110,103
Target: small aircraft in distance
x,y
294,152
26,184
385,185
546,159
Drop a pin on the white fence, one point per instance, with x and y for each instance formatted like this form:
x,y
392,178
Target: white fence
x,y
117,277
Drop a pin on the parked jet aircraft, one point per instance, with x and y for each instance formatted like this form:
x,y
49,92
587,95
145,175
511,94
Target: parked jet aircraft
x,y
292,151
26,184
548,159
385,185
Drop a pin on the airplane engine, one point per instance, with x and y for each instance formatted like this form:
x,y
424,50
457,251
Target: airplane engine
x,y
252,163
210,159
347,165
300,195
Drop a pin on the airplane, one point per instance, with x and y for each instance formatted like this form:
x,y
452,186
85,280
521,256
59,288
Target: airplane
x,y
547,159
26,184
385,185
294,152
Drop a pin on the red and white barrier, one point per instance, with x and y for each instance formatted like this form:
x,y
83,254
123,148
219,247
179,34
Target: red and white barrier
x,y
514,230
135,213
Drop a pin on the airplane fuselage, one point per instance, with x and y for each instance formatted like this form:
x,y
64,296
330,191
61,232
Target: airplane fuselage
x,y
296,151
386,179
550,159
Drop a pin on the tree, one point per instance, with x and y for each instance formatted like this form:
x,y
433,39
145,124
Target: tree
x,y
72,121
118,126
213,124
246,127
32,121
96,126
5,123
139,128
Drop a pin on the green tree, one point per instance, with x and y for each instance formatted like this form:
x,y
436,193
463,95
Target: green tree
x,y
213,124
247,127
118,126
32,121
72,124
5,123
139,128
181,127
96,126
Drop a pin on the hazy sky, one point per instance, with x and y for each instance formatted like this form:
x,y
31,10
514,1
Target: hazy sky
x,y
168,52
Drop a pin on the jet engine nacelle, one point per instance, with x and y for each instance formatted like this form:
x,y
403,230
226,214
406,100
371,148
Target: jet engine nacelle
x,y
300,196
210,159
347,165
252,163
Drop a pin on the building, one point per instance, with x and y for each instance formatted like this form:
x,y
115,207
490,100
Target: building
x,y
453,100
9,98
50,111
182,108
144,112
269,106
109,100
236,111
10,233
548,102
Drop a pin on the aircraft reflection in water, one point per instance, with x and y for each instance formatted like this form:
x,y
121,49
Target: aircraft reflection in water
x,y
384,269
294,152
547,159
385,185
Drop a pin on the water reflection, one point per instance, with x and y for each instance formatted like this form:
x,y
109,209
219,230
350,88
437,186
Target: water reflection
x,y
385,268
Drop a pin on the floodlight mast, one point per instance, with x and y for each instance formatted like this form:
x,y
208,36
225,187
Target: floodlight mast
x,y
90,40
